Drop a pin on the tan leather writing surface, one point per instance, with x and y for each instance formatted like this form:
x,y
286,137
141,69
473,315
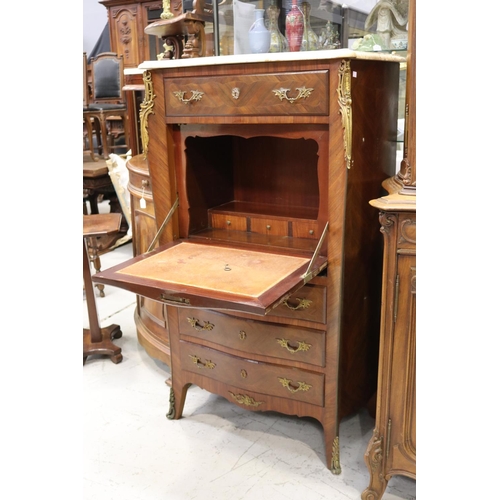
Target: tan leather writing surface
x,y
231,270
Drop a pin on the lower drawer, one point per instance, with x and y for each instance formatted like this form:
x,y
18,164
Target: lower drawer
x,y
263,378
285,342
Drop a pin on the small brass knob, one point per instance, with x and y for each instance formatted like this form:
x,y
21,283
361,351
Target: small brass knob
x,y
228,222
243,374
145,183
311,231
242,335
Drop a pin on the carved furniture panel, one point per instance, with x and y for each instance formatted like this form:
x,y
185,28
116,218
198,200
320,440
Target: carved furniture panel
x,y
392,448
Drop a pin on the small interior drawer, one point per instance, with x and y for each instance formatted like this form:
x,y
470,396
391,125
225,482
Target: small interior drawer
x,y
305,229
229,221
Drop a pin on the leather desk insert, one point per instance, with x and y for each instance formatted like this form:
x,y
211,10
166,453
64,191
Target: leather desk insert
x,y
186,273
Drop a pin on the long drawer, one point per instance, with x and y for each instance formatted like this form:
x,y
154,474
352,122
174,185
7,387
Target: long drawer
x,y
263,378
294,93
254,337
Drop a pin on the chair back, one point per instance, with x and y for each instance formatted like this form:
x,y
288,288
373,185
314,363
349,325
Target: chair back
x,y
86,89
107,78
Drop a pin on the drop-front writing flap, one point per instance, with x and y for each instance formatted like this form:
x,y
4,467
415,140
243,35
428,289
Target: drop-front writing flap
x,y
212,276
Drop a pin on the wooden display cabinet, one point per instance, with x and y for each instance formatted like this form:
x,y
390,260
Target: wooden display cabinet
x,y
127,20
270,267
392,450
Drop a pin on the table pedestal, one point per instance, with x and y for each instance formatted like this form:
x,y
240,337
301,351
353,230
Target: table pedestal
x,y
97,340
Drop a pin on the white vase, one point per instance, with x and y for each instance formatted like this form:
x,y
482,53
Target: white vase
x,y
259,37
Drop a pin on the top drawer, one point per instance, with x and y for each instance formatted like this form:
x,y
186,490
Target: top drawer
x,y
297,93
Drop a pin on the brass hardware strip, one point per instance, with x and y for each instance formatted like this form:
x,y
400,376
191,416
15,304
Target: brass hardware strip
x,y
165,222
288,384
303,346
388,440
174,300
304,93
146,109
345,102
195,323
335,463
245,400
196,95
171,410
197,361
396,299
308,276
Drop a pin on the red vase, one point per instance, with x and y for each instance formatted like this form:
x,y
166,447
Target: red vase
x,y
294,27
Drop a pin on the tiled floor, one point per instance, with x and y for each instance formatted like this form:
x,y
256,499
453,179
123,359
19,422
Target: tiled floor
x,y
217,451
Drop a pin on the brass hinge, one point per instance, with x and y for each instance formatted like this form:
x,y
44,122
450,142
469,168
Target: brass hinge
x,y
308,275
165,222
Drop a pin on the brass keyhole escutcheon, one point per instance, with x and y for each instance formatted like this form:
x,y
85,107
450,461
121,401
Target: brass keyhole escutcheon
x,y
242,335
243,374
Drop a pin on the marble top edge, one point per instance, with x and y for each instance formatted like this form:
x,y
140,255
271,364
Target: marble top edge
x,y
274,57
133,71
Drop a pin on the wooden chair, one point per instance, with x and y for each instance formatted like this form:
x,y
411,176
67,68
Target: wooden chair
x,y
90,125
107,101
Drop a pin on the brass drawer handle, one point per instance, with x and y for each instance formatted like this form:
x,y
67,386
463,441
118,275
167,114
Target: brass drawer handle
x,y
288,384
303,304
245,400
145,183
197,361
303,346
281,93
196,95
196,324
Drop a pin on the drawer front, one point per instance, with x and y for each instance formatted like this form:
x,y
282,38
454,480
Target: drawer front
x,y
263,378
231,222
308,303
307,229
254,337
140,183
271,227
298,93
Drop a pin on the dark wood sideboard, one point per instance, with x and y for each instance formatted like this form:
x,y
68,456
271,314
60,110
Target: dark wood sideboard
x,y
268,274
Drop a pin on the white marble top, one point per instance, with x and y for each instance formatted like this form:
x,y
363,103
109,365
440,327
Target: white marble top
x,y
133,71
274,57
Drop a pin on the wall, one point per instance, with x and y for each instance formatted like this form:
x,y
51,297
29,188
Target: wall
x,y
95,17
